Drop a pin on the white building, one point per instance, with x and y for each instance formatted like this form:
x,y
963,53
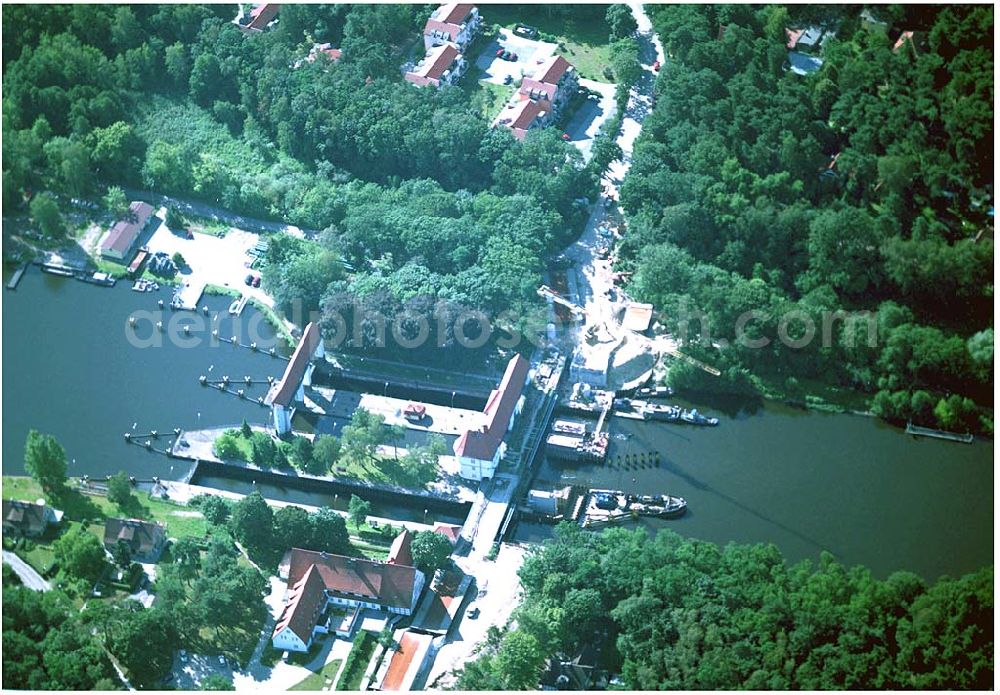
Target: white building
x,y
480,451
290,389
319,581
453,23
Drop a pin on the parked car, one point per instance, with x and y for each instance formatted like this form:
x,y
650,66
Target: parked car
x,y
508,79
248,279
525,30
473,612
222,660
656,66
256,280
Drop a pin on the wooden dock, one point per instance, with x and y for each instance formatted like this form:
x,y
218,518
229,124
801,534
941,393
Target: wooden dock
x,y
918,431
16,277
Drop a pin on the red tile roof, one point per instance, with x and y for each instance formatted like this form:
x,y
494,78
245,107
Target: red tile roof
x,y
552,70
400,553
457,13
449,531
325,48
124,232
438,60
284,390
793,37
355,578
482,444
261,15
903,38
402,658
448,19
305,603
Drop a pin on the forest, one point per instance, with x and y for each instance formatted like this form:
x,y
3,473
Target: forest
x,y
863,187
408,187
671,613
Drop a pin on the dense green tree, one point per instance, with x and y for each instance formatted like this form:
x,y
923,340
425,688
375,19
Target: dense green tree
x,y
326,451
226,447
328,532
216,681
80,554
120,492
358,510
216,509
252,521
619,17
291,527
116,202
45,213
263,449
430,551
45,461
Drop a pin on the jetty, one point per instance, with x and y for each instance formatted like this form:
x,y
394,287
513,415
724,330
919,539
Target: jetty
x,y
187,297
918,431
16,277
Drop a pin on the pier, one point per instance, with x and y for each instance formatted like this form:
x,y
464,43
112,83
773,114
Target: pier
x,y
147,439
188,296
918,431
16,277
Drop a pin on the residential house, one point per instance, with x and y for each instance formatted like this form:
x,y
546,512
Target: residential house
x,y
319,581
805,39
551,86
326,50
146,539
522,116
120,243
28,519
442,65
579,673
454,23
258,18
290,389
480,451
449,531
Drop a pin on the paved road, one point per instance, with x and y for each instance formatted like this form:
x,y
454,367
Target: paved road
x,y
196,207
29,577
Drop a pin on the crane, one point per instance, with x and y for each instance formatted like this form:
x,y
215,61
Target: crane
x,y
548,293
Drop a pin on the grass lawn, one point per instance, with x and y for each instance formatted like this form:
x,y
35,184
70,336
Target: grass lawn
x,y
580,31
488,98
317,681
357,662
180,520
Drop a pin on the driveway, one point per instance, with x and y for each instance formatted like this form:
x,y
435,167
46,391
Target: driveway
x,y
29,577
586,123
530,53
209,259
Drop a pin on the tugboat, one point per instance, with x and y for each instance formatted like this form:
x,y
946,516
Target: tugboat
x,y
660,506
693,417
663,413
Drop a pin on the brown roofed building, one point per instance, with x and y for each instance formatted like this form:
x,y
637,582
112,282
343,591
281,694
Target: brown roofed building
x,y
119,244
521,117
290,389
449,531
552,85
453,23
29,519
400,553
442,65
479,451
259,17
145,539
345,582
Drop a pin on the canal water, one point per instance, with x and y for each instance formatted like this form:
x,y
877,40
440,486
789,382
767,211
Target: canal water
x,y
807,482
804,481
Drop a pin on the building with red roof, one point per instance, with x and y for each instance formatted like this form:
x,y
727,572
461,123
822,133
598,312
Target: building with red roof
x,y
318,581
258,18
541,97
290,389
119,244
442,65
522,116
453,23
479,451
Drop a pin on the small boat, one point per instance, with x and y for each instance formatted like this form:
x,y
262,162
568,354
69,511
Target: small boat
x,y
661,506
655,392
693,417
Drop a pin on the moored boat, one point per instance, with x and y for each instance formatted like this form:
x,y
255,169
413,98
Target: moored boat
x,y
693,417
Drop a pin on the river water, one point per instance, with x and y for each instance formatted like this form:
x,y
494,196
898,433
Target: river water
x,y
804,481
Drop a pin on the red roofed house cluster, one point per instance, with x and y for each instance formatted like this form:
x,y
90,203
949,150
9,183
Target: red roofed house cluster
x,y
448,32
290,389
318,581
453,23
542,97
479,451
119,244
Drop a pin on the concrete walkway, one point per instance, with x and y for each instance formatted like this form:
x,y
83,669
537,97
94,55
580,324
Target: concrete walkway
x,y
29,577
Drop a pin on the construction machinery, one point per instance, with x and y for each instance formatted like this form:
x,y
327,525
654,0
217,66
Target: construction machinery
x,y
591,335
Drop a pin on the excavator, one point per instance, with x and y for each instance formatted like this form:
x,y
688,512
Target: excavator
x,y
581,314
